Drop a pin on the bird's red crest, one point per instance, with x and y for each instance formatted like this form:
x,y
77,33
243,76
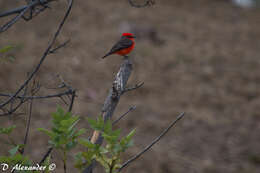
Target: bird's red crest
x,y
127,34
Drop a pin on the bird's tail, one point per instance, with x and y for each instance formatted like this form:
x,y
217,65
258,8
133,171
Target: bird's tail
x,y
106,55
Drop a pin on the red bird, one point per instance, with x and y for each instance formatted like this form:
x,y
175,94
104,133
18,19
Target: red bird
x,y
124,46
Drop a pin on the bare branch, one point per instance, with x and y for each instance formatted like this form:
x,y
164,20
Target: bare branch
x,y
147,3
46,52
27,127
21,10
13,109
60,46
72,100
123,115
46,155
152,143
37,97
13,11
134,87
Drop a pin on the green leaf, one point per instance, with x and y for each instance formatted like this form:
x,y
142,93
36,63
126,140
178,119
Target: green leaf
x,y
6,49
87,143
96,124
103,161
93,124
11,58
74,122
47,132
110,139
7,130
13,150
117,148
71,145
60,111
116,133
130,135
80,132
103,150
108,127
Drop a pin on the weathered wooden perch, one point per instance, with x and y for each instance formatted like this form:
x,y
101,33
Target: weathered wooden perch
x,y
118,88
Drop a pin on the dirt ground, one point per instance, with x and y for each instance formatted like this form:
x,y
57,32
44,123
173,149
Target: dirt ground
x,y
201,57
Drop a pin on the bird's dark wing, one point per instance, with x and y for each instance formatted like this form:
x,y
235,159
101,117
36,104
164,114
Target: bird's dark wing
x,y
123,43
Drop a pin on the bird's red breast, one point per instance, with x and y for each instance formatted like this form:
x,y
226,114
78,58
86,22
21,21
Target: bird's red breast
x,y
126,51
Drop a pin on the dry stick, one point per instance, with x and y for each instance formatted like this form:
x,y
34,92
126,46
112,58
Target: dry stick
x,y
152,143
147,3
123,115
9,112
21,10
60,46
27,126
46,52
13,11
23,99
134,87
16,18
73,95
111,102
34,90
38,97
46,155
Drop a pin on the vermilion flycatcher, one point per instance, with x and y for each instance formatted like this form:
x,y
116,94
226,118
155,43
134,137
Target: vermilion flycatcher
x,y
124,46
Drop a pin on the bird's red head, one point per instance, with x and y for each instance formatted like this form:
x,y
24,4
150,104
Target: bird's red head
x,y
128,35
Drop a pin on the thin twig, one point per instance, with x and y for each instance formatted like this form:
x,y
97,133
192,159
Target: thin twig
x,y
9,112
21,10
152,143
27,126
72,100
24,99
13,11
147,3
60,46
46,155
134,87
37,97
123,115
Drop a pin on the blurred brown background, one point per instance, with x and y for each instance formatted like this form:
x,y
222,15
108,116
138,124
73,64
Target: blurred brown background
x,y
197,56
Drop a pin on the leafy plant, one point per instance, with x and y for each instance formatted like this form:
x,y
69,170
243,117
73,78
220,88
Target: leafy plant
x,y
15,156
108,156
63,134
7,131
